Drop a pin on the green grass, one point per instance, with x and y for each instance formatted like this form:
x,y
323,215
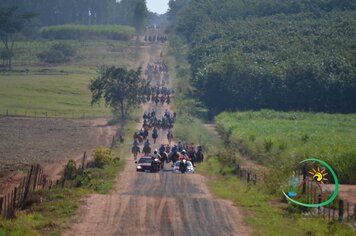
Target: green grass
x,y
70,31
262,213
60,90
270,137
47,218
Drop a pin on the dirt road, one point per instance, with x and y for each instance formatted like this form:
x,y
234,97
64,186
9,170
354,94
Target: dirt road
x,y
157,203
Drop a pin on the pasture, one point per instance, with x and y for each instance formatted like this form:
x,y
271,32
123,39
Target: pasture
x,y
36,88
279,139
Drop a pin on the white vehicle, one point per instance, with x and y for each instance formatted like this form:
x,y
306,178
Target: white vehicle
x,y
189,170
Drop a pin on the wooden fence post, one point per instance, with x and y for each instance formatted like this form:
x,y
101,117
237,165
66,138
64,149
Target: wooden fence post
x,y
347,210
84,159
355,212
113,141
15,198
5,207
248,177
304,171
27,184
341,210
35,177
1,202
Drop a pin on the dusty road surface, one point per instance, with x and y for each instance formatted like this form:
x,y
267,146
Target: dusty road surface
x,y
158,204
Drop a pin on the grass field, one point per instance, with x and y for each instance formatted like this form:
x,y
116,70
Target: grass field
x,y
276,138
34,88
264,214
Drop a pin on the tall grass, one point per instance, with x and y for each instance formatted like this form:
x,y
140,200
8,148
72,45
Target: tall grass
x,y
70,31
287,137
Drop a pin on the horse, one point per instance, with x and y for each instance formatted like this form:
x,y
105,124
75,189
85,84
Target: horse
x,y
154,136
135,150
163,159
169,137
146,150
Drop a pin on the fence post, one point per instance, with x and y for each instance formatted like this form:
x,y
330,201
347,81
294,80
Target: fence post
x,y
36,177
113,141
341,209
15,197
5,207
319,201
355,212
304,170
237,168
1,201
27,184
248,177
347,217
84,158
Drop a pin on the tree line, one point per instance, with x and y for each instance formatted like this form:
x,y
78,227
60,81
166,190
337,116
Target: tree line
x,y
88,12
282,55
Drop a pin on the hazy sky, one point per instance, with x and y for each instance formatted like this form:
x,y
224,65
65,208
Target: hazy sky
x,y
158,6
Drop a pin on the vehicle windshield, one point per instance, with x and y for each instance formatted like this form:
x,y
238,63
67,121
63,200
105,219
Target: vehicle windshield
x,y
145,160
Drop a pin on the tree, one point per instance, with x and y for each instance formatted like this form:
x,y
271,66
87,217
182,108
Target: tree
x,y
140,15
119,87
11,24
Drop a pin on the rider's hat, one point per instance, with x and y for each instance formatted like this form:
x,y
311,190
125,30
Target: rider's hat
x,y
183,151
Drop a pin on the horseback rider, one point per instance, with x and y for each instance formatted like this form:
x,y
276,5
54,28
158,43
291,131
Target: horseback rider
x,y
170,136
192,153
200,154
184,155
162,149
135,150
183,165
156,163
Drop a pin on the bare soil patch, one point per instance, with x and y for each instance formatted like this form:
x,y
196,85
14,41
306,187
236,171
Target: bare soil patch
x,y
49,142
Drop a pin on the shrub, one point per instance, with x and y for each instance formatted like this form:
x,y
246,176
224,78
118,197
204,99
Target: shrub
x,y
57,53
102,156
70,171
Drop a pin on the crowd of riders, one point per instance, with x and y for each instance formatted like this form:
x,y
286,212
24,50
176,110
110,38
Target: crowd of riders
x,y
160,94
156,38
158,71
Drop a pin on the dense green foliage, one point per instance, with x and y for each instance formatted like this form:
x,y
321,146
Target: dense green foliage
x,y
56,12
283,55
119,87
115,32
57,53
274,138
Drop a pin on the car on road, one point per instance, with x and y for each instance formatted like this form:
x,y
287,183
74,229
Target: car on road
x,y
146,164
190,167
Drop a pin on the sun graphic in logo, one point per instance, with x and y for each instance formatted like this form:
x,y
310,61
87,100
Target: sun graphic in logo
x,y
319,175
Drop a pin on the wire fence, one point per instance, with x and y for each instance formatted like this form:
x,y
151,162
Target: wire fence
x,y
52,114
35,180
339,209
